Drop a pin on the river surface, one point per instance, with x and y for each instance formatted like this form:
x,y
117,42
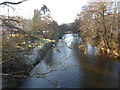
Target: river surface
x,y
65,66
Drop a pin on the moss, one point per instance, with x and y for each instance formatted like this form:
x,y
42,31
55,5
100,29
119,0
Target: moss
x,y
42,44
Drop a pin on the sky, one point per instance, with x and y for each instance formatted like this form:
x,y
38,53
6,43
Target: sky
x,y
62,11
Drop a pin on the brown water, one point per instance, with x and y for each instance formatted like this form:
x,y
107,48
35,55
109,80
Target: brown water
x,y
65,66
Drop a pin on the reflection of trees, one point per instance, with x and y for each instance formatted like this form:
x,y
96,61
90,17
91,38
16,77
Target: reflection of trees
x,y
94,70
49,57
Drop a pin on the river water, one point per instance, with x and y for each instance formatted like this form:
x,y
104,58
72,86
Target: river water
x,y
65,66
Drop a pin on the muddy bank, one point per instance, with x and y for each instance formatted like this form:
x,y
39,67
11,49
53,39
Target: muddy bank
x,y
15,69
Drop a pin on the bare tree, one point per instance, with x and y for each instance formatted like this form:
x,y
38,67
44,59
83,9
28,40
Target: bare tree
x,y
98,23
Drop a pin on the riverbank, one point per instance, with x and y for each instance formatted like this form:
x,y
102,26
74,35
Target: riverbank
x,y
17,64
112,54
15,70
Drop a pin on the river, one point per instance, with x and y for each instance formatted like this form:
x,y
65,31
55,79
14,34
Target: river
x,y
65,66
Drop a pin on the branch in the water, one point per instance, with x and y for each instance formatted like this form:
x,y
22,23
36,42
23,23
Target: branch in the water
x,y
12,3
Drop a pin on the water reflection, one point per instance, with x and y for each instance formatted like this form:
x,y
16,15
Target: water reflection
x,y
92,50
65,66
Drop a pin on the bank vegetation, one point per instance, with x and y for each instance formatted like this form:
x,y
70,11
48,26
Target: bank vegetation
x,y
98,24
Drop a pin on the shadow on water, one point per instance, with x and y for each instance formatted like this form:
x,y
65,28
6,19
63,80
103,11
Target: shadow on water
x,y
65,66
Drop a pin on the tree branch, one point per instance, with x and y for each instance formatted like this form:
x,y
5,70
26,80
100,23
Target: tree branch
x,y
13,3
4,20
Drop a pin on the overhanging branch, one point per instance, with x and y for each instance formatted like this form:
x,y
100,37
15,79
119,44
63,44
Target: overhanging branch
x,y
12,3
